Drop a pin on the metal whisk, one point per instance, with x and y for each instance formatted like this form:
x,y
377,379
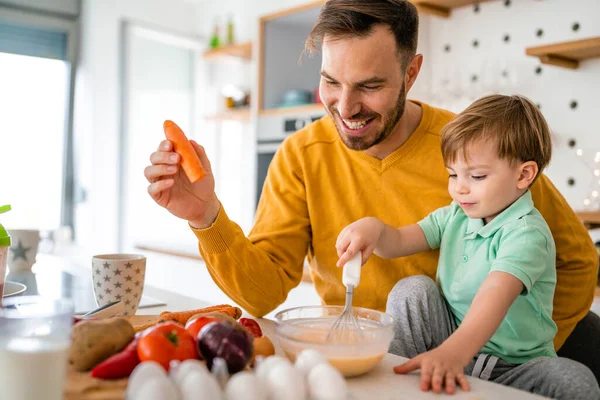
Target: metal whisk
x,y
346,328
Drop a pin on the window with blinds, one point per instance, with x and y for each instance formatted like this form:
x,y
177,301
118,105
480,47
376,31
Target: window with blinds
x,y
33,41
36,75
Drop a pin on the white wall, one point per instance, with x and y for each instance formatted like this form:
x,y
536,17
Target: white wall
x,y
97,113
553,89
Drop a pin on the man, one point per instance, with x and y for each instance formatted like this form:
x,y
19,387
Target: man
x,y
375,154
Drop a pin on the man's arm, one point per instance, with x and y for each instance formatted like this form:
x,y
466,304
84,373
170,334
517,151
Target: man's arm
x,y
258,272
576,259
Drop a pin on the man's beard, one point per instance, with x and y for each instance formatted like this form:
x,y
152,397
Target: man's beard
x,y
390,120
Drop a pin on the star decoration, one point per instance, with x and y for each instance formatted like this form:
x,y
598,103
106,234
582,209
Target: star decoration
x,y
137,283
138,271
19,251
129,265
101,297
118,297
106,278
98,271
127,302
128,290
128,278
135,296
117,272
107,291
98,284
106,265
118,285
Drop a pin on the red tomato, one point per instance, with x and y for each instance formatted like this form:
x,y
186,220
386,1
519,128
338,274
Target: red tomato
x,y
165,342
194,326
251,326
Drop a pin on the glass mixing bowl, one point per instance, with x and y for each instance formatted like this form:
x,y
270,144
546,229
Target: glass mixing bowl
x,y
301,328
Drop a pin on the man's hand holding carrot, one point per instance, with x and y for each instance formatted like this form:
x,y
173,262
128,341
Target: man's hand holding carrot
x,y
170,187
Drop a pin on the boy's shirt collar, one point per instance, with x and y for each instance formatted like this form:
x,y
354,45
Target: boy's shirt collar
x,y
521,207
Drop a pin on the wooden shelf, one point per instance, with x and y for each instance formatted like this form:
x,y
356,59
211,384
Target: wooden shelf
x,y
566,54
442,8
591,219
291,110
242,114
241,50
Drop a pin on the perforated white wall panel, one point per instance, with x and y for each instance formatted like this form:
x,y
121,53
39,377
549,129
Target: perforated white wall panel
x,y
481,49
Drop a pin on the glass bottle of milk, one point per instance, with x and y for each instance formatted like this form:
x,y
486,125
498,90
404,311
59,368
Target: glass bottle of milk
x,y
35,335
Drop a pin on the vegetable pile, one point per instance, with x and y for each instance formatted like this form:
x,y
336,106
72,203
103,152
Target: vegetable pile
x,y
200,354
113,348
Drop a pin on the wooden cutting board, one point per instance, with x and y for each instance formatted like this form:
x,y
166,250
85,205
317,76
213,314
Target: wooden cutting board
x,y
81,386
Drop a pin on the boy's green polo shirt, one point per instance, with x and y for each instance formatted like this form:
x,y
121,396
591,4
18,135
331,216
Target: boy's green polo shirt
x,y
518,242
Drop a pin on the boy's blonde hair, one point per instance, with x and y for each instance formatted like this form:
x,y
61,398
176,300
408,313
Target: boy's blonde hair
x,y
513,123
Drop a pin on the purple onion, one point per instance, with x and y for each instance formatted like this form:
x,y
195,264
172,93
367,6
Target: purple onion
x,y
221,339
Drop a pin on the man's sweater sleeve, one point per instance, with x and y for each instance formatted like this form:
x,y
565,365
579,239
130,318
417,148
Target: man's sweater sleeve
x,y
576,259
259,271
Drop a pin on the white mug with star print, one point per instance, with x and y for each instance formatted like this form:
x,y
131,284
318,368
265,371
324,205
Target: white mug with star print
x,y
23,249
119,277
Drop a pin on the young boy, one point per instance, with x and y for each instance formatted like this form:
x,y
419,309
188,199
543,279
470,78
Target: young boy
x,y
490,314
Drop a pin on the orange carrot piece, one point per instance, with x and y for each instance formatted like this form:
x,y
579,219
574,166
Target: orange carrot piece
x,y
183,316
190,162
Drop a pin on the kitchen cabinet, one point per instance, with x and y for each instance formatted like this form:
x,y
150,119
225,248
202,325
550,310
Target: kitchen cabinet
x,y
285,71
283,65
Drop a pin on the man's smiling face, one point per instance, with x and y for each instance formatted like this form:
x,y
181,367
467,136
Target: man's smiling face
x,y
362,86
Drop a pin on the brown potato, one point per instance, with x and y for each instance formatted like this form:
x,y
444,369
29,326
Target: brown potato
x,y
95,340
262,347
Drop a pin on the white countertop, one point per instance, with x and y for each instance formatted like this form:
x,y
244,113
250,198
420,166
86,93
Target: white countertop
x,y
381,383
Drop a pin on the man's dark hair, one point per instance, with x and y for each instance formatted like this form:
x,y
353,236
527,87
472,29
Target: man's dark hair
x,y
346,18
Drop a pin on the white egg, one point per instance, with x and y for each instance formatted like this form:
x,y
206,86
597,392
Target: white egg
x,y
309,358
326,383
180,370
198,385
264,366
143,373
245,385
156,389
284,382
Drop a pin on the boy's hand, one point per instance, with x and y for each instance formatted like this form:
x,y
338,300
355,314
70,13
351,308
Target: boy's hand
x,y
361,235
439,367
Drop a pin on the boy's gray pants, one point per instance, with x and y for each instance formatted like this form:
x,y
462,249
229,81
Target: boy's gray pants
x,y
424,321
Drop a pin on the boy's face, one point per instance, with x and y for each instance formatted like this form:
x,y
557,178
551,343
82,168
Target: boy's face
x,y
483,184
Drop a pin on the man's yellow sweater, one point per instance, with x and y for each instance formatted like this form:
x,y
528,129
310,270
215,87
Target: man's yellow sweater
x,y
316,186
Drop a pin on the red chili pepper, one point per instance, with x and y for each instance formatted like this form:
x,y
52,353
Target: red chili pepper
x,y
120,365
251,326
